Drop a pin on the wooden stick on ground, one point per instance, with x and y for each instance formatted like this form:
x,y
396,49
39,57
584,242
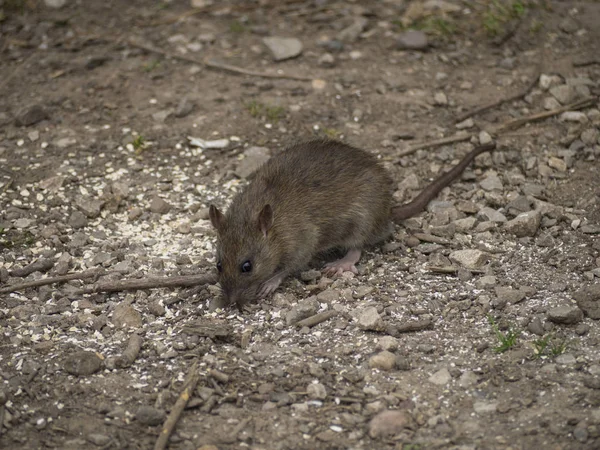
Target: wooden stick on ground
x,y
169,425
512,98
92,273
316,319
215,65
511,124
148,283
506,126
443,141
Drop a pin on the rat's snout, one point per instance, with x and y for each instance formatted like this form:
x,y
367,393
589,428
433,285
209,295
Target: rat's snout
x,y
236,295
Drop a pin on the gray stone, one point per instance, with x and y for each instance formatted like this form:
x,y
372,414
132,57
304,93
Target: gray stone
x,y
510,295
369,319
159,206
564,93
440,98
471,259
328,296
254,157
31,115
557,163
55,4
412,40
316,391
525,224
82,363
568,25
566,359
303,309
492,215
491,183
468,379
283,48
162,115
351,33
125,316
184,107
573,116
590,136
77,220
467,123
486,282
588,300
363,291
565,315
389,423
388,343
64,142
441,377
520,204
466,224
536,327
484,137
326,60
482,407
550,103
89,206
384,360
98,439
149,416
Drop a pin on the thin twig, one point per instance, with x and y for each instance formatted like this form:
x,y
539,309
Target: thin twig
x,y
184,397
511,124
92,273
450,270
512,98
586,62
129,355
580,104
148,283
316,319
215,65
443,141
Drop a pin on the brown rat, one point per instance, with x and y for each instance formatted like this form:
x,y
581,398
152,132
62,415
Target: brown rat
x,y
313,197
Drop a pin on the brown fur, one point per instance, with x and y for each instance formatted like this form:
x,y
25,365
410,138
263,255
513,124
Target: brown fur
x,y
313,197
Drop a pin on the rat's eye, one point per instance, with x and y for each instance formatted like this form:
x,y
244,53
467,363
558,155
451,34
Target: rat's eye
x,y
246,266
219,266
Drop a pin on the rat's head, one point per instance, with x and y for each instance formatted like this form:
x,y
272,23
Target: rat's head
x,y
245,253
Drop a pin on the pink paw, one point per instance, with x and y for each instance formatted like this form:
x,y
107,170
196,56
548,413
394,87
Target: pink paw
x,y
337,268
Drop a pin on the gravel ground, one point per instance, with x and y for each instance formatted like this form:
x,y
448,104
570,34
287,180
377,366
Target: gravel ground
x,y
474,327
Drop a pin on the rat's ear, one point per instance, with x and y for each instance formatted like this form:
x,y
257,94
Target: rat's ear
x,y
265,219
216,217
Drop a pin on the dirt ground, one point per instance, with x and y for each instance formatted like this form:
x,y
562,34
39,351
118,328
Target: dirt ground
x,y
474,327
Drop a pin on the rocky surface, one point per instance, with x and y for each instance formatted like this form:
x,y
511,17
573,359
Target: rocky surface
x,y
474,326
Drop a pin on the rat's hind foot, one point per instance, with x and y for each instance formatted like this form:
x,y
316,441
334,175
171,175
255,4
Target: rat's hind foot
x,y
271,284
345,264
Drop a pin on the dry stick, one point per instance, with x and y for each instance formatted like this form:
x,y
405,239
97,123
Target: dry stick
x,y
92,273
148,283
503,127
184,397
215,65
586,62
316,319
447,140
131,352
580,104
497,103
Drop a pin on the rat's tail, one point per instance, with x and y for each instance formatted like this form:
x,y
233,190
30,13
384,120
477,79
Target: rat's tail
x,y
420,202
